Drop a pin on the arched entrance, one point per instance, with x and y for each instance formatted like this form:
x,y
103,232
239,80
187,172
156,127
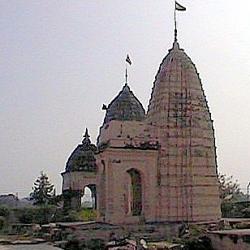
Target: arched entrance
x,y
88,200
134,199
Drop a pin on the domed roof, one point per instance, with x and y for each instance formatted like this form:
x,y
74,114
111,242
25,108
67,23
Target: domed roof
x,y
83,157
125,107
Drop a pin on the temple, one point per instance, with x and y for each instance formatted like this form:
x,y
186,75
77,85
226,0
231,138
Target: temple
x,y
154,166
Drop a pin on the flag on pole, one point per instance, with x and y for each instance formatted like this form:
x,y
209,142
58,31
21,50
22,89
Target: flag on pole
x,y
179,7
128,60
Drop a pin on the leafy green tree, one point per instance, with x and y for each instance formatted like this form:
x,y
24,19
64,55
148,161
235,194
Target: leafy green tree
x,y
229,188
233,200
43,191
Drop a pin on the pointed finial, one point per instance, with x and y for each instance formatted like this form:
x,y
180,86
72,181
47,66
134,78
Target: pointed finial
x,y
86,133
86,137
104,107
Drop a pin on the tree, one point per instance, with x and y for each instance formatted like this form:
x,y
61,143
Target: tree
x,y
232,198
43,191
229,188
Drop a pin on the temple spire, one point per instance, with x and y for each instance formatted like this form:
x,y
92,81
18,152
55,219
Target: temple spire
x,y
178,7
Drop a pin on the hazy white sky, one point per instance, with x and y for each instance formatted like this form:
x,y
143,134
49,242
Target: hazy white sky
x,y
60,60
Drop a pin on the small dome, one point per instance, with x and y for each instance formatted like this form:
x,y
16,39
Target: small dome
x,y
83,157
125,107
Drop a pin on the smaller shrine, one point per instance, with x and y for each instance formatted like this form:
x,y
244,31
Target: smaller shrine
x,y
81,163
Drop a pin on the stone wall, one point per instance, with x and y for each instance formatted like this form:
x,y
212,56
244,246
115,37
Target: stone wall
x,y
231,239
117,164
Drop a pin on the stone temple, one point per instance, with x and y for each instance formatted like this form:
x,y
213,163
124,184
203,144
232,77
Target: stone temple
x,y
155,166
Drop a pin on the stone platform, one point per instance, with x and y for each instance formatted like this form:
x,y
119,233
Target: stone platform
x,y
109,232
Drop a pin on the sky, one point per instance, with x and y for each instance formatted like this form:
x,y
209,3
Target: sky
x,y
60,60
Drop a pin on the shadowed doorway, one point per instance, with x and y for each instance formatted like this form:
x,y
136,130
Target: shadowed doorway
x,y
134,192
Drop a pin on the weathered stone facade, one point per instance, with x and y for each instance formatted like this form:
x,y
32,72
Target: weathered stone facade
x,y
154,167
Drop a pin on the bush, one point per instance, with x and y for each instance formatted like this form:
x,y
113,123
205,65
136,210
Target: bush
x,y
87,214
72,245
72,216
38,215
58,215
2,222
24,215
230,210
49,213
202,243
235,209
246,212
95,244
44,214
4,211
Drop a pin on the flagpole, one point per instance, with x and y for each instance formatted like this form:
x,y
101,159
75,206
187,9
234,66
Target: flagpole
x,y
128,61
175,23
126,75
179,8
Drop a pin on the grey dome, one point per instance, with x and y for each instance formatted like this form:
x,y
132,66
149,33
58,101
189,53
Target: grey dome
x,y
125,107
83,157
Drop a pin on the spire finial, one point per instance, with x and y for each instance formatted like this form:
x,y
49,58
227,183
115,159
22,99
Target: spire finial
x,y
86,137
178,7
128,61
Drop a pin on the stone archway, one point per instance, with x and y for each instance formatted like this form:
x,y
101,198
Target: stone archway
x,y
134,192
88,199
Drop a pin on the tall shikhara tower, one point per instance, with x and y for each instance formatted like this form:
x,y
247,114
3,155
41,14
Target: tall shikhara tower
x,y
187,168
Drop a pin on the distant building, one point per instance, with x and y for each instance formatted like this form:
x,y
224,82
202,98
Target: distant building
x,y
151,167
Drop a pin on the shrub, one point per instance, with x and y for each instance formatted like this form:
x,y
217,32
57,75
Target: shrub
x,y
84,214
49,213
43,214
59,215
2,222
4,211
87,214
202,243
39,214
72,216
24,215
246,212
95,244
